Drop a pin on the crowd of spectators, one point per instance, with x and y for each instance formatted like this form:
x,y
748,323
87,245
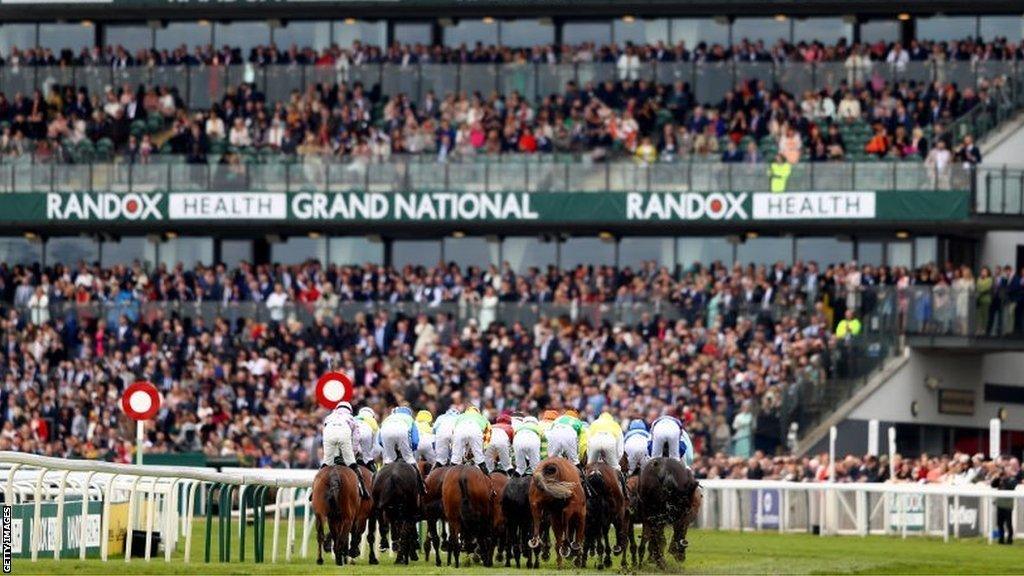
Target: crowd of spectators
x,y
958,469
735,351
862,113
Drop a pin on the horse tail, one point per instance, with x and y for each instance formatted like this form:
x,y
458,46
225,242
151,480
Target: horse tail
x,y
548,480
333,492
464,505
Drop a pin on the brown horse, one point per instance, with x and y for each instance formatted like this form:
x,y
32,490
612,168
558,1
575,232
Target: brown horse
x,y
396,509
556,494
669,495
499,480
433,513
632,512
336,503
468,506
606,507
362,515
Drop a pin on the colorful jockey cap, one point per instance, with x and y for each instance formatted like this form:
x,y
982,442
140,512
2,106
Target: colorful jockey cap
x,y
367,413
403,410
638,425
344,406
503,418
549,415
424,416
529,420
572,413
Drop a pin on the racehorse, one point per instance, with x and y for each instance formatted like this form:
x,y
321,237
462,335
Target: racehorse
x,y
335,503
606,507
396,499
433,513
515,508
632,512
499,481
669,495
362,514
468,506
556,493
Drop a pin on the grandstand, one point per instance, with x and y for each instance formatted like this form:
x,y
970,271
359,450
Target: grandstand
x,y
769,219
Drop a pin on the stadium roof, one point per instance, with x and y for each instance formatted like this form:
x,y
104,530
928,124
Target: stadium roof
x,y
294,9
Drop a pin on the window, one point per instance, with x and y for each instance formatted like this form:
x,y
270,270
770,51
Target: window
x,y
191,34
413,33
127,250
693,31
474,251
71,249
704,251
640,31
16,250
315,35
469,32
355,250
925,251
132,38
526,33
765,251
634,252
825,30
947,27
234,251
588,252
869,252
298,249
73,37
874,31
524,253
900,254
599,33
243,35
20,36
425,253
1008,27
368,33
188,251
824,251
768,30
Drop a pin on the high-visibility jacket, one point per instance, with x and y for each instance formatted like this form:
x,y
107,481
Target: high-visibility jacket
x,y
780,172
848,328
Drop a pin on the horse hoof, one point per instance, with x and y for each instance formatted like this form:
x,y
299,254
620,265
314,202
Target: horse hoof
x,y
374,562
319,561
564,551
535,543
616,550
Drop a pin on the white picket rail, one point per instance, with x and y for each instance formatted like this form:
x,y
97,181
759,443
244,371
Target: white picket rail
x,y
826,508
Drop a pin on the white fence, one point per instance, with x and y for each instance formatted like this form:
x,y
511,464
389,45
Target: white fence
x,y
163,499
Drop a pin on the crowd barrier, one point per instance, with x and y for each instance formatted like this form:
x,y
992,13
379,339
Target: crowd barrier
x,y
166,500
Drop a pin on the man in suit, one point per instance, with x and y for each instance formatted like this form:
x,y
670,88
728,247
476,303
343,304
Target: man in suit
x,y
383,332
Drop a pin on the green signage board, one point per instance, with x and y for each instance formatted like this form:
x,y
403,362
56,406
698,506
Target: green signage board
x,y
580,208
70,529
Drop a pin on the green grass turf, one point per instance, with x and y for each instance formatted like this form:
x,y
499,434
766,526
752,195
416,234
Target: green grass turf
x,y
709,552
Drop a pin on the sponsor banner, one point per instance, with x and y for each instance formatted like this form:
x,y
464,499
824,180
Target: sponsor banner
x,y
906,510
586,208
70,529
766,509
966,515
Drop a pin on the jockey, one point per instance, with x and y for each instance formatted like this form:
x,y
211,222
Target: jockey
x,y
399,436
444,427
605,444
425,450
471,431
368,439
669,439
564,437
637,446
498,452
341,431
527,445
547,419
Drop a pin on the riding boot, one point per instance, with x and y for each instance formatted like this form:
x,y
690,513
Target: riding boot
x,y
427,467
422,484
359,478
483,468
622,483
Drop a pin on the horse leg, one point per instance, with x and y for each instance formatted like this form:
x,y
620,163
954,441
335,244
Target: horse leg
x,y
455,543
658,553
341,542
644,536
538,516
319,540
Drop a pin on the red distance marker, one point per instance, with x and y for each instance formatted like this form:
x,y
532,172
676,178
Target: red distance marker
x,y
333,388
141,401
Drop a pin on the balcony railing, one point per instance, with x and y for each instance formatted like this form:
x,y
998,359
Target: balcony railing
x,y
202,85
502,174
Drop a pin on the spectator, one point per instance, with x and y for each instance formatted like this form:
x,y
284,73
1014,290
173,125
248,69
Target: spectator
x,y
849,326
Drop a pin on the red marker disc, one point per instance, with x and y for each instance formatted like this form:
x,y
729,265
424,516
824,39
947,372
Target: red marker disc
x,y
140,401
333,388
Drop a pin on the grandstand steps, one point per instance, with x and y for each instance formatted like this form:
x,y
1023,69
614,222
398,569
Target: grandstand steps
x,y
819,434
1005,144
